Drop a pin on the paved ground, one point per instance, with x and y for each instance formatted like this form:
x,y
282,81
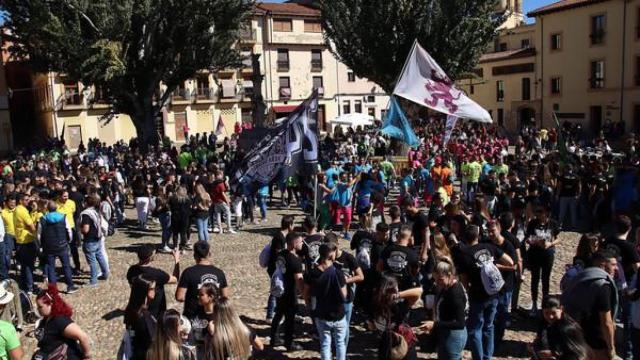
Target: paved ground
x,y
98,310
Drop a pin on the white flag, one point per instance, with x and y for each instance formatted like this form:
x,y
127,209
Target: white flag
x,y
451,124
424,82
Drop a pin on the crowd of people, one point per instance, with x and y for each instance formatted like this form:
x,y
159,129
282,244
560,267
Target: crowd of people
x,y
438,248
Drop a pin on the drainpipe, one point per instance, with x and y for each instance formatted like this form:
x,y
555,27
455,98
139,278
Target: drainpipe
x,y
624,52
54,108
541,71
269,23
338,87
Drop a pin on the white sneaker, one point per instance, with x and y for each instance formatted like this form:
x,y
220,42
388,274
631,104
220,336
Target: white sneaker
x,y
231,231
166,250
216,230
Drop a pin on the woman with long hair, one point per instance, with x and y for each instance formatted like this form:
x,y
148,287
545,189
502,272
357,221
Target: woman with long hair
x,y
229,337
559,337
587,246
208,296
202,203
450,305
56,332
168,343
440,248
140,323
141,194
180,206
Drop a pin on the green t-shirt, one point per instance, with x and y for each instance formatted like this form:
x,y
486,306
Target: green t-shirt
x,y
501,169
184,159
9,339
387,167
475,169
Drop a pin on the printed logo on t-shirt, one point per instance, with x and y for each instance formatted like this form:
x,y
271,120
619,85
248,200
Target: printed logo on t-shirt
x,y
543,234
482,256
397,261
281,264
209,279
314,251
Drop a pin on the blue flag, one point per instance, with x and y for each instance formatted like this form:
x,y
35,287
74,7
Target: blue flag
x,y
396,125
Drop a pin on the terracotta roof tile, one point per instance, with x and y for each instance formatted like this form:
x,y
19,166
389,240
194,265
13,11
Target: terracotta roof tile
x,y
288,9
562,5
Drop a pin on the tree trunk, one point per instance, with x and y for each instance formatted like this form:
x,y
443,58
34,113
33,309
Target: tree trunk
x,y
145,124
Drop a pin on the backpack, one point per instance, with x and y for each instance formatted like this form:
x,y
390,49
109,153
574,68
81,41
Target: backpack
x,y
363,257
277,283
492,280
265,254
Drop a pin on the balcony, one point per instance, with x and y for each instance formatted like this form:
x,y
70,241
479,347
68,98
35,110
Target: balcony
x,y
181,96
316,65
596,83
205,95
248,36
285,93
597,37
500,96
73,99
283,65
247,64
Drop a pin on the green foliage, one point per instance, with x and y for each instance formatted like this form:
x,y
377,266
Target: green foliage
x,y
374,37
128,46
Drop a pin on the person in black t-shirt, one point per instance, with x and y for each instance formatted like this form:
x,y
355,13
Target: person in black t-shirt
x,y
278,243
325,291
507,225
508,273
146,255
483,306
291,266
419,228
193,277
208,296
395,224
374,244
568,192
542,237
401,261
312,242
353,275
138,320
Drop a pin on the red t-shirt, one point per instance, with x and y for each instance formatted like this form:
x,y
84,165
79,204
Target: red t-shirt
x,y
217,192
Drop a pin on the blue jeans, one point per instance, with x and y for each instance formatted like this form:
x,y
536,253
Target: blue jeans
x,y
480,326
451,343
4,265
348,310
271,306
165,224
262,204
203,228
94,258
9,246
26,256
66,268
332,331
502,321
625,315
568,204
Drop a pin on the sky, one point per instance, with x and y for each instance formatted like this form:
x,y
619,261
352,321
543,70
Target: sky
x,y
528,4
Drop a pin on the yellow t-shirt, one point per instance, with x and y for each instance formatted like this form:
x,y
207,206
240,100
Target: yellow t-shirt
x,y
7,219
36,216
68,208
22,218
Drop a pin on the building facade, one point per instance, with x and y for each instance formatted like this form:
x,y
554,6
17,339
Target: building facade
x,y
579,60
294,60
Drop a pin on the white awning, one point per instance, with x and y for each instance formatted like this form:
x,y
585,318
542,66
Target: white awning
x,y
228,88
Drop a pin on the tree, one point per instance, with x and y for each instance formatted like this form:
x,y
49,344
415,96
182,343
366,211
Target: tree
x,y
374,37
128,47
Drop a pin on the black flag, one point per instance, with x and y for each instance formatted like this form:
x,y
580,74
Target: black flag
x,y
290,148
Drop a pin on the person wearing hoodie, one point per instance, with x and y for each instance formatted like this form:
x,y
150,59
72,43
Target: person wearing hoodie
x,y
54,234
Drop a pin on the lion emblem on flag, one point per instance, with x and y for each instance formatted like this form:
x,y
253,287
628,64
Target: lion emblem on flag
x,y
440,87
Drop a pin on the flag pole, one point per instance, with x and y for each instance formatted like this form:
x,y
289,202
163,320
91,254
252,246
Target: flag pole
x,y
315,197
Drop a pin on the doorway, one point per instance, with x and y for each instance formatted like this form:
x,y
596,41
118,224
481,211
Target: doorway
x,y
322,123
180,120
74,136
526,117
595,119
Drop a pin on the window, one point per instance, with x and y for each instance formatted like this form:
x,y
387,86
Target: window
x,y
371,112
503,46
637,78
312,26
285,87
351,77
556,107
316,60
203,86
526,89
556,41
597,74
524,43
282,25
247,115
597,29
371,98
100,94
317,85
499,90
72,95
346,107
383,113
500,117
556,86
472,89
357,106
283,60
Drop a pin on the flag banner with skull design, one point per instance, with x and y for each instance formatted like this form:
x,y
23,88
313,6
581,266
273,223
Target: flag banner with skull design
x,y
288,149
424,82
